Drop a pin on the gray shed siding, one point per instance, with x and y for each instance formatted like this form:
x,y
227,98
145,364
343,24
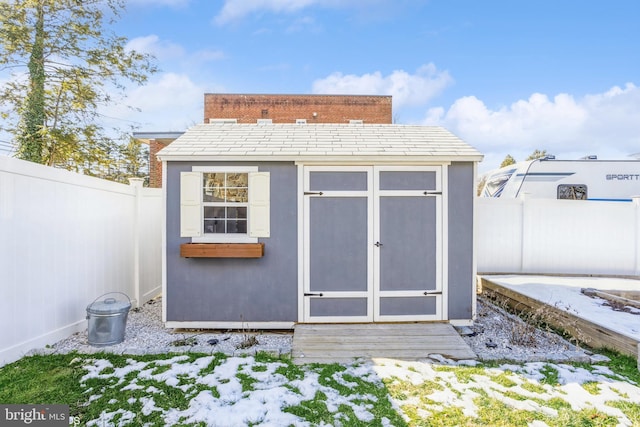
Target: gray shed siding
x,y
266,289
234,290
460,256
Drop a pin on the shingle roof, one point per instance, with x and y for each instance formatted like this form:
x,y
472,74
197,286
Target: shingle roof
x,y
318,142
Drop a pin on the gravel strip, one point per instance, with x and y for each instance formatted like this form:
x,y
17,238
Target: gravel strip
x,y
495,335
145,334
499,335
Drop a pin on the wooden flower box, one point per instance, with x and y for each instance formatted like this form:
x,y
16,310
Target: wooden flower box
x,y
222,250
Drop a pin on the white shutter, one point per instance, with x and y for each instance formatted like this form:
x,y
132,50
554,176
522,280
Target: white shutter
x,y
259,201
190,206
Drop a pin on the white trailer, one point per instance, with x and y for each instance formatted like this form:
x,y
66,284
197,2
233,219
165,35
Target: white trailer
x,y
585,179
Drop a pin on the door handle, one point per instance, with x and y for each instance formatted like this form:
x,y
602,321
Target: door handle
x,y
307,294
432,293
378,244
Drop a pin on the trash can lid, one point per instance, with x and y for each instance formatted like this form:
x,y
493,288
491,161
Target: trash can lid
x,y
109,306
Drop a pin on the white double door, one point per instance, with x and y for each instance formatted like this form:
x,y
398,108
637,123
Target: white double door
x,y
373,244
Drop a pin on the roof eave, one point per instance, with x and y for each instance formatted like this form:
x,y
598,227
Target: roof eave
x,y
396,158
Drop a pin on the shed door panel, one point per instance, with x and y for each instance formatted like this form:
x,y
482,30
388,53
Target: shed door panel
x,y
337,247
408,226
408,254
338,244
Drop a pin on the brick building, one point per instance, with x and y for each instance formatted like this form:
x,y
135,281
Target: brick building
x,y
249,108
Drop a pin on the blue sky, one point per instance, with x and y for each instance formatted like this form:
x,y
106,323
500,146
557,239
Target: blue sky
x,y
506,76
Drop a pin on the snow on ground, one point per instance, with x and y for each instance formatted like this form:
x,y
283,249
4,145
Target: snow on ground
x,y
218,394
565,293
522,380
221,397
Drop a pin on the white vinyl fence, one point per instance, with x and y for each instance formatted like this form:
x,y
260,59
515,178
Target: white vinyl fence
x,y
65,240
557,236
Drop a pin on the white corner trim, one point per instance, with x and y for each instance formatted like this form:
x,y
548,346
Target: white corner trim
x,y
164,240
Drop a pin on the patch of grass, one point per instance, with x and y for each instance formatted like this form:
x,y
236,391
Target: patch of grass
x,y
51,379
585,418
314,411
623,365
464,374
290,371
532,387
592,387
159,369
620,393
218,359
630,409
515,396
246,381
405,390
504,379
493,412
555,403
397,388
259,368
551,376
265,357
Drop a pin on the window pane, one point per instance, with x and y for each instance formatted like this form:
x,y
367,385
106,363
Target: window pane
x,y
237,226
213,187
233,213
237,195
214,226
572,192
238,180
213,212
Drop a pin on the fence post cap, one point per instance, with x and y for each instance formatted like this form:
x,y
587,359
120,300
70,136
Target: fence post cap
x,y
136,182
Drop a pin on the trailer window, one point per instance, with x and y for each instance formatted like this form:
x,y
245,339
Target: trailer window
x,y
496,183
572,192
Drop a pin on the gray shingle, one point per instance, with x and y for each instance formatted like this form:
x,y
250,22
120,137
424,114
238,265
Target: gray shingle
x,y
300,142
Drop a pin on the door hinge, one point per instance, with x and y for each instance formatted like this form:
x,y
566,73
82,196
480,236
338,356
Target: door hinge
x,y
307,294
313,193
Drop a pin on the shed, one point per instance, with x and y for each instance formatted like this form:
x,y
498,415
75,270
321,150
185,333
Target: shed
x,y
268,225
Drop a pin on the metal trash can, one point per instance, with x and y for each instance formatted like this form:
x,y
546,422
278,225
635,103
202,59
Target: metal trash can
x,y
107,320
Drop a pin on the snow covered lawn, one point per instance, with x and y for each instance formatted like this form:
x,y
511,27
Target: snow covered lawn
x,y
218,390
531,394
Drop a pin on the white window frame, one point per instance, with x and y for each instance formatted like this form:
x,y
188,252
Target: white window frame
x,y
223,237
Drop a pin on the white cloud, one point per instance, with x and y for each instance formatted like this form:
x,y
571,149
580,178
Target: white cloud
x,y
604,124
237,9
234,10
169,102
163,50
172,54
406,89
